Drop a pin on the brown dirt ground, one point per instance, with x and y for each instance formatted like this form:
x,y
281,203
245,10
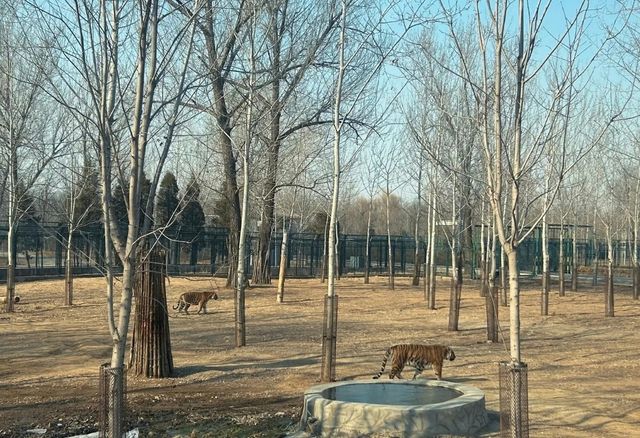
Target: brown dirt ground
x,y
583,367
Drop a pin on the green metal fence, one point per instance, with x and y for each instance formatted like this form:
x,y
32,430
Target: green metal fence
x,y
40,250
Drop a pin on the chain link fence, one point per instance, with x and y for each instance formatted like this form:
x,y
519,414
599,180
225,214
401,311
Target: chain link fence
x,y
112,406
514,400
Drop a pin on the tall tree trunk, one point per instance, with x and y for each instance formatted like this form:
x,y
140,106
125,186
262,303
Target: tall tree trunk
x,y
68,268
456,263
456,291
325,250
262,267
609,303
13,204
514,306
544,301
241,277
561,261
491,299
338,260
391,262
233,200
11,264
331,308
432,261
262,262
596,251
574,255
634,255
283,266
466,238
636,265
416,235
151,341
367,256
484,266
427,254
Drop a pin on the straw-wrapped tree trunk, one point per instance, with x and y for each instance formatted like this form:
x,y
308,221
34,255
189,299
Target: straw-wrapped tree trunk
x,y
151,342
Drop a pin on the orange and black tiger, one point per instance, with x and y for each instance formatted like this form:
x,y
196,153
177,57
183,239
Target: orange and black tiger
x,y
418,356
195,298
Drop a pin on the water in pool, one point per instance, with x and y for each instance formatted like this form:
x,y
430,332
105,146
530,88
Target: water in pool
x,y
392,394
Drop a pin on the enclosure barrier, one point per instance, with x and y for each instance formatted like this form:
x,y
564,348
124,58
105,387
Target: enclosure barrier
x,y
514,401
112,407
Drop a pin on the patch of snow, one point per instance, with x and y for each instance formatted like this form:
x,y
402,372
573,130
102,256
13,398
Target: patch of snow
x,y
135,433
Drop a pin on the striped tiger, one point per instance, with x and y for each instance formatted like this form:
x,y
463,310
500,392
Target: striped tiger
x,y
195,298
418,356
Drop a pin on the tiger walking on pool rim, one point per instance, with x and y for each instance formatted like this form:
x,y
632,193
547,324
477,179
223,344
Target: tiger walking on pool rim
x,y
418,356
194,298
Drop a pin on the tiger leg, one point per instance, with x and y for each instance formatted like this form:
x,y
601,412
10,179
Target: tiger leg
x,y
437,367
204,307
186,307
419,370
396,369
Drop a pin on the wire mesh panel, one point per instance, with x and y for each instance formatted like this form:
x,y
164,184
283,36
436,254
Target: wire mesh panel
x,y
113,385
514,400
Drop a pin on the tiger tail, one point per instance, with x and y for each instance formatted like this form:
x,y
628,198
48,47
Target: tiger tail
x,y
387,354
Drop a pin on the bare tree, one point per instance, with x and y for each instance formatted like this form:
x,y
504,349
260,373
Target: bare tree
x,y
81,209
31,134
222,30
388,161
134,86
290,65
342,112
511,139
370,183
241,282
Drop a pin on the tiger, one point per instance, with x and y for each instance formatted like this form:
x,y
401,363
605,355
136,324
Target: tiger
x,y
195,298
418,356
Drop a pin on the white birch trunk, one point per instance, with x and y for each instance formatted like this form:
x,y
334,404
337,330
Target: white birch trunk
x,y
416,236
367,255
432,250
68,268
240,273
427,253
574,258
544,301
561,261
483,254
241,283
609,301
283,266
13,206
492,293
390,261
634,255
453,323
329,347
596,250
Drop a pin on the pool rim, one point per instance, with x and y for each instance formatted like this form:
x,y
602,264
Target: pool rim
x,y
470,394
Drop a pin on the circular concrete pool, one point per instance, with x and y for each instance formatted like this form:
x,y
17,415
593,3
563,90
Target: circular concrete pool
x,y
416,408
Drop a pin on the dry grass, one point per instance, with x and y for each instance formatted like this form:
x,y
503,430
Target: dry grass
x,y
583,367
